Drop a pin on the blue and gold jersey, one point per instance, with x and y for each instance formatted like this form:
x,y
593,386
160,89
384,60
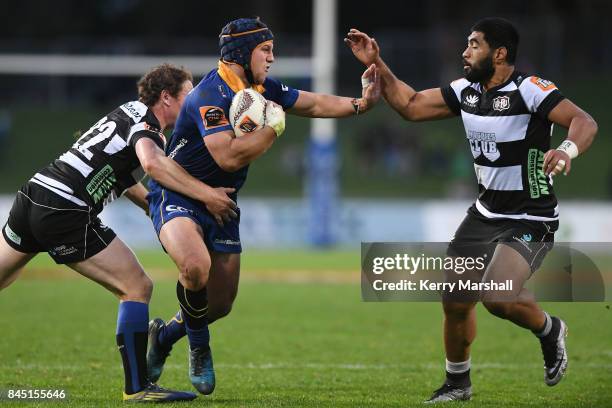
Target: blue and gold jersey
x,y
206,111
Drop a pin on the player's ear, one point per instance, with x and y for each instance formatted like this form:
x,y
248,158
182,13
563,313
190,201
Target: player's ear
x,y
500,54
165,97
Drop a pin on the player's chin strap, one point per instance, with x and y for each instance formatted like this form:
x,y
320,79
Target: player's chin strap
x,y
570,149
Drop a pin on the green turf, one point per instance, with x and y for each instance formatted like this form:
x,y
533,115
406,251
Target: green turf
x,y
256,260
296,345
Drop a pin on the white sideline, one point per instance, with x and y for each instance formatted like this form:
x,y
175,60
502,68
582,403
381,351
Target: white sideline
x,y
313,366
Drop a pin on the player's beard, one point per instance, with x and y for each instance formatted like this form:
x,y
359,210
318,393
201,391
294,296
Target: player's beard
x,y
481,71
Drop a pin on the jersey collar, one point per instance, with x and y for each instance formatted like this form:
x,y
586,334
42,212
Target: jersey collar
x,y
233,81
513,77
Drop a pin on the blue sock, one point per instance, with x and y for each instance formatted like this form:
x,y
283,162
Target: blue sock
x,y
172,332
132,331
198,338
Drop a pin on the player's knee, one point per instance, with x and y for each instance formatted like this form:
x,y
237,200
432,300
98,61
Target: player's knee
x,y
497,308
137,289
457,310
194,272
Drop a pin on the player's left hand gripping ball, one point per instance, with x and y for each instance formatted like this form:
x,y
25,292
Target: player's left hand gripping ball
x,y
275,118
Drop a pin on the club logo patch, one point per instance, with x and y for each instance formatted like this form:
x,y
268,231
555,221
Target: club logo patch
x,y
501,103
213,117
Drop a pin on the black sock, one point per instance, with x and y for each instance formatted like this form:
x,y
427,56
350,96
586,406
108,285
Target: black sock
x,y
194,308
459,379
554,330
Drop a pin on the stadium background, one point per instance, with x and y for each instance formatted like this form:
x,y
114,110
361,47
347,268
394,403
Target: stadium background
x,y
398,181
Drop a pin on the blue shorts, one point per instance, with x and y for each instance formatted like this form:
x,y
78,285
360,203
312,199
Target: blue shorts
x,y
165,205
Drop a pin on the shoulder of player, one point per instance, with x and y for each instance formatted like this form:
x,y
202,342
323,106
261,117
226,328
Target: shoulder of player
x,y
210,91
134,111
458,85
534,83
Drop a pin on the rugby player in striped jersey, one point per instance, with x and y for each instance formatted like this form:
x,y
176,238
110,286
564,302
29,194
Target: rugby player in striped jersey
x,y
508,118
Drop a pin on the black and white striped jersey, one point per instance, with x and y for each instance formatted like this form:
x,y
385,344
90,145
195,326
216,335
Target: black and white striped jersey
x,y
102,163
508,131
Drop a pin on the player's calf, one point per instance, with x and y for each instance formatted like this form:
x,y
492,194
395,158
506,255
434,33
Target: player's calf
x,y
498,308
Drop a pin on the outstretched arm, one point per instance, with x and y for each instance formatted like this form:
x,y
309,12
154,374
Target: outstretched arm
x,y
410,104
171,175
316,105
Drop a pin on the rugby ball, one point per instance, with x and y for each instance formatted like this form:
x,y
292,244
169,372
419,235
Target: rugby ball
x,y
247,112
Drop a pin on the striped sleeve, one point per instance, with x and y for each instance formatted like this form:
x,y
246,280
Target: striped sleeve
x,y
540,96
452,94
143,129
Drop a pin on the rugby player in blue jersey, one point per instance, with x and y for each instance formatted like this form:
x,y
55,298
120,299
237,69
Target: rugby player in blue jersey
x,y
207,253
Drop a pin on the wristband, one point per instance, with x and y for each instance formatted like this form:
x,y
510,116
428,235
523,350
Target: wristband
x,y
356,106
570,148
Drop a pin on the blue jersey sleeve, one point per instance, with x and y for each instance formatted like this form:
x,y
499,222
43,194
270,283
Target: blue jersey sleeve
x,y
282,94
210,111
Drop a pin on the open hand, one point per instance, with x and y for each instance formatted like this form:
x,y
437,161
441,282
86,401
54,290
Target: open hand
x,y
364,48
370,81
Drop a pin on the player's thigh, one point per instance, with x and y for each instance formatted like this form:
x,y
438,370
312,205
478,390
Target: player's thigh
x,y
506,265
117,269
223,282
183,240
11,262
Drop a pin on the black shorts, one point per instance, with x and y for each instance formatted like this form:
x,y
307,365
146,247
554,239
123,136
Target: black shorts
x,y
41,221
478,235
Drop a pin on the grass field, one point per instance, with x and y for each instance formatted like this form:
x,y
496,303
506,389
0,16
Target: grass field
x,y
299,336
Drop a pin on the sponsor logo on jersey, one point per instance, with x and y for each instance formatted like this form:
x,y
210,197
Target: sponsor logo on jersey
x,y
543,84
135,110
483,143
101,183
501,103
471,100
538,181
12,235
178,147
284,88
213,117
222,91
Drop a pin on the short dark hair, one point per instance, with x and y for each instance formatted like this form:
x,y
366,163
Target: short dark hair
x,y
165,76
499,32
